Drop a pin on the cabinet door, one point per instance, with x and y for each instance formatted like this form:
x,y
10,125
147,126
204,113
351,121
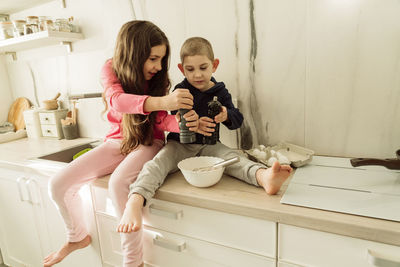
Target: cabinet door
x,y
307,247
20,242
53,229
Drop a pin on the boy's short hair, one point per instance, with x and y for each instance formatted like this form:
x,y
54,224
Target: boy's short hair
x,y
196,46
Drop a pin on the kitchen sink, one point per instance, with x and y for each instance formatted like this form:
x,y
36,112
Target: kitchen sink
x,y
67,154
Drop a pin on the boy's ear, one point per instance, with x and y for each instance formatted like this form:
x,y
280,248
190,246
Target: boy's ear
x,y
215,64
180,67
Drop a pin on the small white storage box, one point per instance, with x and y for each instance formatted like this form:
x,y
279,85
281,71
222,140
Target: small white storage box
x,y
50,121
32,123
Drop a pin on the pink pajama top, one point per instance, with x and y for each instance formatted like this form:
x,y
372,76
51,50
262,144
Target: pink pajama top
x,y
120,102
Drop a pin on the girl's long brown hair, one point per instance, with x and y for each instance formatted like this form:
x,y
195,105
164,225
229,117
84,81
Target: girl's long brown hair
x,y
133,47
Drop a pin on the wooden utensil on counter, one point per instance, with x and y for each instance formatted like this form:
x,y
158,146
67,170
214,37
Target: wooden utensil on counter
x,y
392,163
71,117
15,114
51,103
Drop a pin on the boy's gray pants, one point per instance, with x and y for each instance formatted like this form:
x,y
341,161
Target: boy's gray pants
x,y
156,170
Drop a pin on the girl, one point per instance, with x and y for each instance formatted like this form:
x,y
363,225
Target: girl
x,y
135,85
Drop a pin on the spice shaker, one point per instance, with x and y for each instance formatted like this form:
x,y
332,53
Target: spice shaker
x,y
185,135
214,108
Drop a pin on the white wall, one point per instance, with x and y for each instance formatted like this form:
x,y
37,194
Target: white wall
x,y
6,97
324,74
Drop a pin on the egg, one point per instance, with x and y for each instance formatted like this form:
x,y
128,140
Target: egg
x,y
263,155
271,161
282,159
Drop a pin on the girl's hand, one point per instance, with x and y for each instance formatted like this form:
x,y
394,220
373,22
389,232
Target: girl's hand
x,y
206,126
222,116
180,98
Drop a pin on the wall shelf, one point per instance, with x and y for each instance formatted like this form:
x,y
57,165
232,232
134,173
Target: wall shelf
x,y
39,39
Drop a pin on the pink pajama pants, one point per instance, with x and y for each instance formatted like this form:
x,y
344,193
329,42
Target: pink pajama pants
x,y
101,161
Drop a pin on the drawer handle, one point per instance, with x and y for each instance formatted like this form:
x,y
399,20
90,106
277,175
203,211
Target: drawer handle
x,y
168,244
379,260
21,194
165,212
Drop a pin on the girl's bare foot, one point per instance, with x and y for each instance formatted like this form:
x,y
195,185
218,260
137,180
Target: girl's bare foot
x,y
69,247
132,218
273,178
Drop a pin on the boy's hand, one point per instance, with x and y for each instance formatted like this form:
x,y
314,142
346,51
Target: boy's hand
x,y
206,126
180,98
222,116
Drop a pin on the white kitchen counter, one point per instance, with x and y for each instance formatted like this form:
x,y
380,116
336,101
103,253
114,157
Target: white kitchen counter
x,y
229,195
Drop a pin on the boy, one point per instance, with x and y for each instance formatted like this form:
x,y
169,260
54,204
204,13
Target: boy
x,y
198,65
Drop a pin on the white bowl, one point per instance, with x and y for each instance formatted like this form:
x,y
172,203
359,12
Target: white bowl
x,y
201,178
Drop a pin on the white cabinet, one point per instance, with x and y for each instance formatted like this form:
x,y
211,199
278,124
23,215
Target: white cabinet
x,y
30,225
305,247
20,220
180,235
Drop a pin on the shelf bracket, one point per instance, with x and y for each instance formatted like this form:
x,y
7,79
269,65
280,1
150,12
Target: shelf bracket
x,y
68,45
12,54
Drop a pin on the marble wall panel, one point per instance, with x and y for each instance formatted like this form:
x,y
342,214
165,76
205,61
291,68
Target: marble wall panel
x,y
277,79
352,85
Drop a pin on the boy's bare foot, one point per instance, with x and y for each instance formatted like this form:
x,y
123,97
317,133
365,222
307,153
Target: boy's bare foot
x,y
132,218
273,178
65,250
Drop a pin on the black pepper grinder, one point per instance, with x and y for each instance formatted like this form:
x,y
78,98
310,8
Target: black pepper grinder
x,y
214,108
185,135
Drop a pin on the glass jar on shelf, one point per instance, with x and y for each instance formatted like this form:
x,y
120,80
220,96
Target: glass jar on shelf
x,y
42,21
6,30
74,27
19,26
27,29
62,25
33,21
47,25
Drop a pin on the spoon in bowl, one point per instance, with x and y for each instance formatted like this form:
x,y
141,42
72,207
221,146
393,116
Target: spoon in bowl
x,y
217,165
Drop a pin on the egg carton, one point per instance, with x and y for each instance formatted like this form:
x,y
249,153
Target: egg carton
x,y
284,153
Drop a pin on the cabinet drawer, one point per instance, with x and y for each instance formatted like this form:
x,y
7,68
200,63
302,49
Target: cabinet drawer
x,y
307,247
47,118
50,130
163,248
166,249
240,232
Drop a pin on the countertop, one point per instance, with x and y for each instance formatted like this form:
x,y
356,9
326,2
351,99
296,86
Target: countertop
x,y
229,195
